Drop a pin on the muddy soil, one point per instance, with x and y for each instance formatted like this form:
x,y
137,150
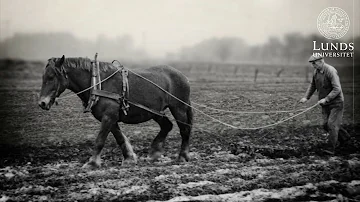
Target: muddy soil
x,y
41,152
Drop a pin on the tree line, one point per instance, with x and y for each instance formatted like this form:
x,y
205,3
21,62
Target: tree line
x,y
292,48
46,45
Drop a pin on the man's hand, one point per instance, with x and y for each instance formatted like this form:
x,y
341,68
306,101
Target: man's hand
x,y
322,101
303,100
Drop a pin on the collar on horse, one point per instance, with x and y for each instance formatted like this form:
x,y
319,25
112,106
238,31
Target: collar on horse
x,y
97,92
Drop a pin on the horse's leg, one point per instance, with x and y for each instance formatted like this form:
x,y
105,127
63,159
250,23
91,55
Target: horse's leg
x,y
184,118
158,143
124,144
106,123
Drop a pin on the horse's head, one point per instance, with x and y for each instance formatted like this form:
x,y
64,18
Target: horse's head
x,y
54,82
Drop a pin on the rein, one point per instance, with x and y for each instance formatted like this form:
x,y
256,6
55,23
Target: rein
x,y
117,97
86,89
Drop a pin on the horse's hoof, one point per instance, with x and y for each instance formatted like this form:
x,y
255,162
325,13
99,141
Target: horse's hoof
x,y
183,158
156,155
131,160
90,165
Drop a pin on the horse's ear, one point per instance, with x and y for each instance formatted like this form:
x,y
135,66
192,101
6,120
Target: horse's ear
x,y
60,62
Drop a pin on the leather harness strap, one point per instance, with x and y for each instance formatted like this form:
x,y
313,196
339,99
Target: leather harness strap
x,y
159,113
125,93
123,100
95,78
117,97
96,92
103,93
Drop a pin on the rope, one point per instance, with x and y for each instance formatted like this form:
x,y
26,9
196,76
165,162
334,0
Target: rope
x,y
60,98
257,128
279,122
247,112
215,119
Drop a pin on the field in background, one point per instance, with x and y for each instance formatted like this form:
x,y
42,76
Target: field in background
x,y
41,152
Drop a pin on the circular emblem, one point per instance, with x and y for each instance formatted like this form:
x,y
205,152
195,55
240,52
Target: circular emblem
x,y
333,23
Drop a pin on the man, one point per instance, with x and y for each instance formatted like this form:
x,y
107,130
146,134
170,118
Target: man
x,y
327,82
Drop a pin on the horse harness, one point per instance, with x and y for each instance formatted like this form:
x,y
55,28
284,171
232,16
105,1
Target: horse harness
x,y
96,92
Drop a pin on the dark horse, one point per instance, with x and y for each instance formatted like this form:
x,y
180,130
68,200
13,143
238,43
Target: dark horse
x,y
75,74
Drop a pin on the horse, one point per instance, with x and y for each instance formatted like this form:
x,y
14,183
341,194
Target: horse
x,y
75,74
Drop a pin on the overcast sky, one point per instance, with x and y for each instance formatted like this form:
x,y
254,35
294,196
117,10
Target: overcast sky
x,y
161,26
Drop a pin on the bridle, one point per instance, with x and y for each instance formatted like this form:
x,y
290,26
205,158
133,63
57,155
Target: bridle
x,y
63,75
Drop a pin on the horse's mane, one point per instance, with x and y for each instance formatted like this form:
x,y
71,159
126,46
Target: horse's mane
x,y
84,63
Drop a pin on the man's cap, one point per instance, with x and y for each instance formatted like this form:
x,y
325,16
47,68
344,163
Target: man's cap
x,y
315,57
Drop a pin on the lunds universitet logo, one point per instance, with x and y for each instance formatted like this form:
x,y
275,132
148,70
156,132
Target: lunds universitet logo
x,y
333,23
